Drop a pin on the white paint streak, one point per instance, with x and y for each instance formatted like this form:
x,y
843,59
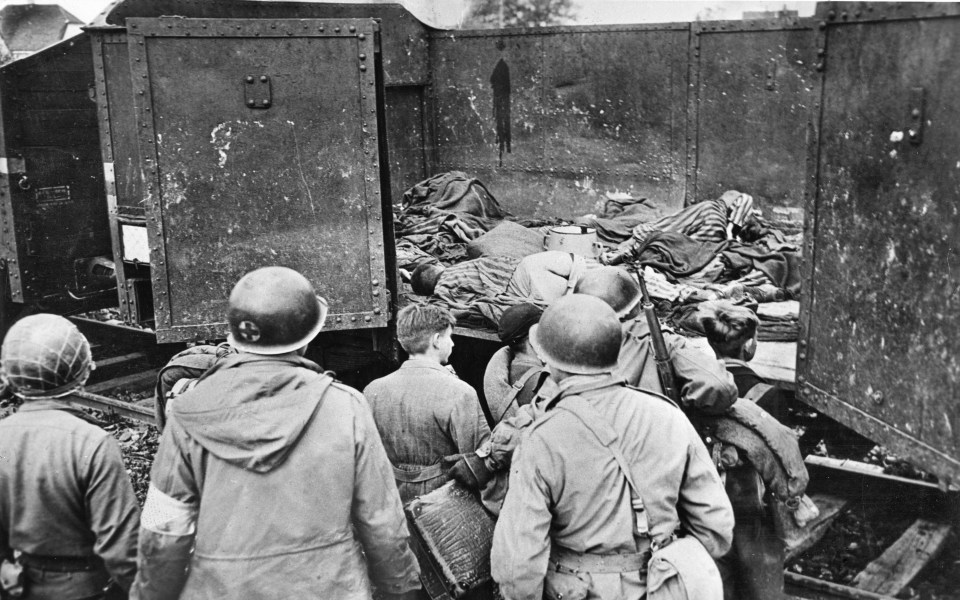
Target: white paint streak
x,y
220,140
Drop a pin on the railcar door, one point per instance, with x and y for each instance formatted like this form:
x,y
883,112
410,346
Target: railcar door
x,y
879,349
259,145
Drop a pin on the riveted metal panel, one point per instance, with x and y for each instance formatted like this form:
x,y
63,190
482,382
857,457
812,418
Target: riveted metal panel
x,y
53,206
230,188
878,348
756,90
405,137
568,107
404,38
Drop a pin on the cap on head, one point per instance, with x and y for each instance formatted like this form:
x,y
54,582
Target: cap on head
x,y
274,310
516,321
45,355
578,334
614,286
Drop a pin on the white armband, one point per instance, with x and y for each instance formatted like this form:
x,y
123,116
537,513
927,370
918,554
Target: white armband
x,y
166,515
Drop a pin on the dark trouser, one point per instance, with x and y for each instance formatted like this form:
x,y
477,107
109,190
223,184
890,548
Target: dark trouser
x,y
753,569
55,585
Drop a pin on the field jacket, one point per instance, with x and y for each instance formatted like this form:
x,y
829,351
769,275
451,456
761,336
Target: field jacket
x,y
277,475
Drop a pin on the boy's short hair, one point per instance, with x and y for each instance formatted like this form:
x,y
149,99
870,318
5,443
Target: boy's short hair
x,y
728,326
418,322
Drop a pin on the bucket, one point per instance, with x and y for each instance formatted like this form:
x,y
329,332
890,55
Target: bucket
x,y
576,239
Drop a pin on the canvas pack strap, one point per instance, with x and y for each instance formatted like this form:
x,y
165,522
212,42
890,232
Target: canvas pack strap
x,y
517,388
587,415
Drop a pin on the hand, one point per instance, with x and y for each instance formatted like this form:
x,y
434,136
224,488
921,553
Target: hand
x,y
471,471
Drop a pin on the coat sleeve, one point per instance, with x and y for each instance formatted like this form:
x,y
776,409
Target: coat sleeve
x,y
168,526
704,380
377,513
521,539
113,512
703,506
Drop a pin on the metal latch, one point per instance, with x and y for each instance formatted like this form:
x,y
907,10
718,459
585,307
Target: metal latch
x,y
256,91
915,131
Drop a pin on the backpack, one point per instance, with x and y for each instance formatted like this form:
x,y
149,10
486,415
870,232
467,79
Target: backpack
x,y
181,373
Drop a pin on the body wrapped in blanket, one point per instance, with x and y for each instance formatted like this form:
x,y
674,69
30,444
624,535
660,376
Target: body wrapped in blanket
x,y
489,285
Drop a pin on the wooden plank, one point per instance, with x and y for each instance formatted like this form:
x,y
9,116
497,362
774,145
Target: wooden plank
x,y
833,590
800,540
867,470
893,570
136,382
124,409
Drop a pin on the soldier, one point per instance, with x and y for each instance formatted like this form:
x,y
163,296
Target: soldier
x,y
604,477
703,380
514,373
423,411
66,503
270,480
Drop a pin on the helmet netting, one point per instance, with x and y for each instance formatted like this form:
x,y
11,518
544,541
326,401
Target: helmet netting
x,y
42,354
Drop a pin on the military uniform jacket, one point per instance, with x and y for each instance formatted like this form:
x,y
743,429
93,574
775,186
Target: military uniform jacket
x,y
702,379
567,489
64,490
292,492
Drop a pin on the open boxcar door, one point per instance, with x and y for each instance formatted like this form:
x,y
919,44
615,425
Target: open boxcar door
x,y
879,349
259,145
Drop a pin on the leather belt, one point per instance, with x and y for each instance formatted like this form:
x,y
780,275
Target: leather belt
x,y
417,474
60,564
585,562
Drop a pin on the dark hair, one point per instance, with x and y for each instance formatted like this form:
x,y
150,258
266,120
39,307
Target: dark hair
x,y
424,278
515,323
416,323
728,327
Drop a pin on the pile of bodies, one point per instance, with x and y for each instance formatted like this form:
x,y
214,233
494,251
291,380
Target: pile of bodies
x,y
716,249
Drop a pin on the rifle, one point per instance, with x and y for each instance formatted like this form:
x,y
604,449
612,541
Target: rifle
x,y
664,366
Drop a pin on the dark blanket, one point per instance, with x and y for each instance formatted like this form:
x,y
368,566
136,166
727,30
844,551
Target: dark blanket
x,y
782,267
677,254
449,202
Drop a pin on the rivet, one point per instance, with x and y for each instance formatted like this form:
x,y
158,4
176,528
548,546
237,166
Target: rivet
x,y
375,282
363,67
352,28
353,319
367,318
822,25
915,113
336,29
363,56
249,78
803,356
832,15
361,37
251,102
376,311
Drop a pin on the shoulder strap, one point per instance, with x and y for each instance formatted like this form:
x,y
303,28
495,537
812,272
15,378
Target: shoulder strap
x,y
758,391
516,389
587,415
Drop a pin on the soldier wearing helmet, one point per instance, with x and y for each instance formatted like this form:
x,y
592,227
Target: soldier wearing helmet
x,y
66,502
703,380
270,480
571,526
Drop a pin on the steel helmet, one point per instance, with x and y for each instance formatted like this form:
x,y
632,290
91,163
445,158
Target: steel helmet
x,y
612,285
274,310
45,355
578,334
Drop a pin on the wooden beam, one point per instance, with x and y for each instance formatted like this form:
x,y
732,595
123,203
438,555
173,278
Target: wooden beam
x,y
136,382
835,590
800,540
124,409
893,570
